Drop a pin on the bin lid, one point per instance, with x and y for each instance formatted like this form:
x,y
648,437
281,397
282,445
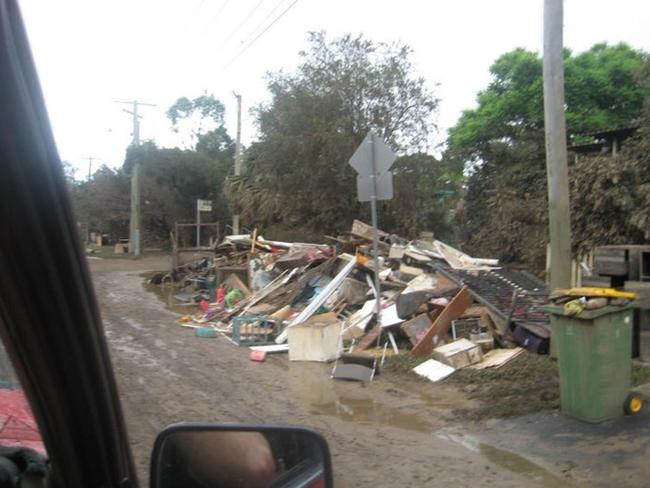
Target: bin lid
x,y
587,314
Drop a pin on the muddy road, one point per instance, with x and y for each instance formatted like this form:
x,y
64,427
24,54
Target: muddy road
x,y
381,434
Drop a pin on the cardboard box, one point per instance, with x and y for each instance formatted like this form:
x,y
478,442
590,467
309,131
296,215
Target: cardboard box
x,y
317,339
459,354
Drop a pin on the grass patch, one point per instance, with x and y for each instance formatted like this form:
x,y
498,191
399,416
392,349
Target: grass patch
x,y
529,383
402,364
108,252
640,374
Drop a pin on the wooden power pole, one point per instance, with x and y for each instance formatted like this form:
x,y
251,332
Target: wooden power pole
x,y
556,147
135,235
235,218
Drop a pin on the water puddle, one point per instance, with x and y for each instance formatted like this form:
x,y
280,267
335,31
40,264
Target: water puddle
x,y
310,384
508,460
520,465
166,295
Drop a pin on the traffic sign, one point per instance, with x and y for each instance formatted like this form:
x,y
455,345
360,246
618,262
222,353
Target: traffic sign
x,y
384,156
365,187
204,205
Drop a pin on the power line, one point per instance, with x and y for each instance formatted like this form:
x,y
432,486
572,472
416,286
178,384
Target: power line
x,y
194,14
215,18
268,16
241,24
260,35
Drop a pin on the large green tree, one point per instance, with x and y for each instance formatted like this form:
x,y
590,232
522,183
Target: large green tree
x,y
501,141
297,174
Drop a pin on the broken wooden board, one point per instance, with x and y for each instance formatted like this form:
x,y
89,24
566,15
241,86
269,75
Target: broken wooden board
x,y
416,327
458,354
441,325
497,358
365,231
410,270
282,313
433,370
396,251
261,309
370,338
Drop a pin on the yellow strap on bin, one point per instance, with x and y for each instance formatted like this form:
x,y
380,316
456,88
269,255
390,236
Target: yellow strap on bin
x,y
596,292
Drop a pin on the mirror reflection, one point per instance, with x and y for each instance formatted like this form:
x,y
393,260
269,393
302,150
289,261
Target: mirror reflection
x,y
231,458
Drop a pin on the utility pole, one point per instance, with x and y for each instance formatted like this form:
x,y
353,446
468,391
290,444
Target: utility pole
x,y
134,222
90,166
556,150
235,218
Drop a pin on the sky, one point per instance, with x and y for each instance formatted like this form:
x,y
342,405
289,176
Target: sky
x,y
90,54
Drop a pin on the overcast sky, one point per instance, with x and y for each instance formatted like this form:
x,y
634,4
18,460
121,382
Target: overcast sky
x,y
91,53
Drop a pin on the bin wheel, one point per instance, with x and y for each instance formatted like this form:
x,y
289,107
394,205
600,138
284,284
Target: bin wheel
x,y
633,404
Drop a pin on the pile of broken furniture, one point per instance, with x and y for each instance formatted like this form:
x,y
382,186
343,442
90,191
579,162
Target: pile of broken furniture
x,y
317,302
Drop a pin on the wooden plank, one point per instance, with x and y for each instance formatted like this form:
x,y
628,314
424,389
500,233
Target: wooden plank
x,y
416,327
497,358
370,338
441,325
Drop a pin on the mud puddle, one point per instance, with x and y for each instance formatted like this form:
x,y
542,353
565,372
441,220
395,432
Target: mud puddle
x,y
166,294
311,385
520,465
509,460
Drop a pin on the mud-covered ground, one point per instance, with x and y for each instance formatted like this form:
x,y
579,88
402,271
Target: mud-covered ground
x,y
381,434
398,430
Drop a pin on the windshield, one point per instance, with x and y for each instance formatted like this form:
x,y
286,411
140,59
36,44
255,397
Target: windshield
x,y
392,223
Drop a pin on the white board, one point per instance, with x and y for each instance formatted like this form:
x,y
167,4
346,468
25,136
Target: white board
x,y
433,370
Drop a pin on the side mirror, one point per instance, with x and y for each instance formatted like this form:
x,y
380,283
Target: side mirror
x,y
244,456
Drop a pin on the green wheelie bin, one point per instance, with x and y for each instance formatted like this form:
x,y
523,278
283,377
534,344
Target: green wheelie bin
x,y
594,354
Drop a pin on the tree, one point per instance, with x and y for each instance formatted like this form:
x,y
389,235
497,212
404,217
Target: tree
x,y
610,196
501,141
297,173
102,203
172,180
197,117
604,89
425,190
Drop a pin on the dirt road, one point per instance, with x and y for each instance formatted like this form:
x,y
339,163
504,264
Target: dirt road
x,y
382,434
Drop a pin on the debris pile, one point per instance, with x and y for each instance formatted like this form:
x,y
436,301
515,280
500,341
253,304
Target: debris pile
x,y
318,303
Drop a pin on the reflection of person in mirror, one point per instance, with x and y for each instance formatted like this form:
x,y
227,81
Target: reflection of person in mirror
x,y
217,459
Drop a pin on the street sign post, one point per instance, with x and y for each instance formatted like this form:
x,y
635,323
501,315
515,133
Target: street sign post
x,y
201,206
372,161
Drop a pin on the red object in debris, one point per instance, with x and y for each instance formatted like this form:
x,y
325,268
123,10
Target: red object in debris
x,y
204,304
221,294
259,356
17,425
